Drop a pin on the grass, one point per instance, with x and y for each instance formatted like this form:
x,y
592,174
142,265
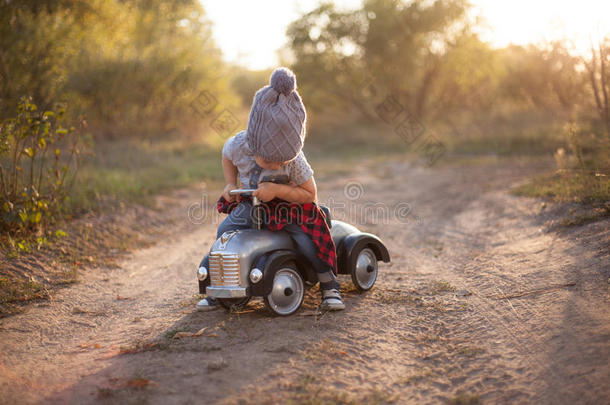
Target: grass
x,y
392,297
586,218
13,291
511,133
511,144
465,399
439,287
345,142
592,188
519,134
336,153
134,170
583,171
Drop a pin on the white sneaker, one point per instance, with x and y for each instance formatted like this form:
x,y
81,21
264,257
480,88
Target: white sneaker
x,y
207,304
331,300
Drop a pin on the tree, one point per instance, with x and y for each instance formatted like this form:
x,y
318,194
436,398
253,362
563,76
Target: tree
x,y
598,67
398,46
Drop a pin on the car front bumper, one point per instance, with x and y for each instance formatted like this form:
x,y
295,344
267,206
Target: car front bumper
x,y
226,292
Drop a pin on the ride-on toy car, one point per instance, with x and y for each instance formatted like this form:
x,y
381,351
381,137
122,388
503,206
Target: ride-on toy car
x,y
261,263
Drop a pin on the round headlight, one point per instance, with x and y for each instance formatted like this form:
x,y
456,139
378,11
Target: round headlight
x,y
256,275
202,274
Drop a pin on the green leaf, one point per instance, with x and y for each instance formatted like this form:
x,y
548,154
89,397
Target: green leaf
x,y
61,131
23,216
29,152
42,143
23,246
48,114
59,233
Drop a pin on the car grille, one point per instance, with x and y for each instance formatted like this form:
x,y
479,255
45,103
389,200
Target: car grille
x,y
224,269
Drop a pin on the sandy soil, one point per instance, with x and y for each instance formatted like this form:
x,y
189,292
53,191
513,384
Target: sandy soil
x,y
486,300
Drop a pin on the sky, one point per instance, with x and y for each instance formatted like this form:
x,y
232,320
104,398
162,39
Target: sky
x,y
249,32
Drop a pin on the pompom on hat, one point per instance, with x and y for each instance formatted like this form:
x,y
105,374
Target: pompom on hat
x,y
283,81
276,126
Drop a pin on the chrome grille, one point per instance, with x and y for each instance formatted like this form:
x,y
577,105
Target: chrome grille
x,y
224,269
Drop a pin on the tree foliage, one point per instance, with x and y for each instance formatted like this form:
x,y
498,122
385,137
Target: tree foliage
x,y
130,66
429,58
398,46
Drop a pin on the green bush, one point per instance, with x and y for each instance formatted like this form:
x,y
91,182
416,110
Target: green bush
x,y
37,155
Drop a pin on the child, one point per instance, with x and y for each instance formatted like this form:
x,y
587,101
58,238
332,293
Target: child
x,y
272,145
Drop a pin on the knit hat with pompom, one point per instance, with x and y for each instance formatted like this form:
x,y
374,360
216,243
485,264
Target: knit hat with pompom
x,y
276,126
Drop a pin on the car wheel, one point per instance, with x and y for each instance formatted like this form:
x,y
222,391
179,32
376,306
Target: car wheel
x,y
287,292
233,303
364,272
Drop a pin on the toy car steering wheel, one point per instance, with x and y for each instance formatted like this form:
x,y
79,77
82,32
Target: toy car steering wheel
x,y
242,191
278,179
258,214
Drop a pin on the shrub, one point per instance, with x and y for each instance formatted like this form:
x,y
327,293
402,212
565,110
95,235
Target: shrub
x,y
37,157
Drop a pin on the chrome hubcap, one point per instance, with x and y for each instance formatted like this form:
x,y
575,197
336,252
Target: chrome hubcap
x,y
287,291
366,268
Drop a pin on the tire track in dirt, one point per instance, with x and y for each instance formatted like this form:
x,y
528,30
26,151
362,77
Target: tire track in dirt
x,y
514,321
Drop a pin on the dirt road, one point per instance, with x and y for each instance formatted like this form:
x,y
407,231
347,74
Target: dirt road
x,y
486,300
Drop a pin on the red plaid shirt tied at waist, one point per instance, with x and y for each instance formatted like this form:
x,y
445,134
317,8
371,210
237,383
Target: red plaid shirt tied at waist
x,y
278,213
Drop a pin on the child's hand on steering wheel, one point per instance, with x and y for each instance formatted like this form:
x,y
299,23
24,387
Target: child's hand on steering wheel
x,y
266,191
226,194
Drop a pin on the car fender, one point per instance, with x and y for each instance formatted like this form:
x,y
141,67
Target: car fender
x,y
271,262
354,243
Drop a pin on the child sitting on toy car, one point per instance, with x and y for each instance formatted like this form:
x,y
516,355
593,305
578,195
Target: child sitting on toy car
x,y
271,145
